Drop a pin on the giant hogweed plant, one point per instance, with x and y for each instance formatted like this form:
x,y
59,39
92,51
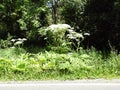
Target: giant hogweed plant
x,y
61,35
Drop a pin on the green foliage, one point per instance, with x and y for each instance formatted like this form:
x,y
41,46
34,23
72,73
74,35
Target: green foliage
x,y
6,43
3,30
22,24
29,19
33,17
75,19
22,18
101,20
61,37
26,18
51,65
75,38
56,33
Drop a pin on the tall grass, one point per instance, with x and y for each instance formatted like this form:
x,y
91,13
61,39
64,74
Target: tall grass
x,y
18,64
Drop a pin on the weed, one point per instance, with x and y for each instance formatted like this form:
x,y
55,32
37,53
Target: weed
x,y
17,64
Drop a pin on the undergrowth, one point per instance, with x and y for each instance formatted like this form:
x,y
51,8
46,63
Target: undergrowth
x,y
20,64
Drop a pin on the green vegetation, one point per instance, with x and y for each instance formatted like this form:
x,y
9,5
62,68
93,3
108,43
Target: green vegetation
x,y
17,64
59,39
26,18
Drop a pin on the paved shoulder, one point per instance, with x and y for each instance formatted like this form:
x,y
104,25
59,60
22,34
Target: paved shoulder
x,y
99,84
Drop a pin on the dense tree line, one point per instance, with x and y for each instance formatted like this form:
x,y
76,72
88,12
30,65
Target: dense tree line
x,y
99,18
103,23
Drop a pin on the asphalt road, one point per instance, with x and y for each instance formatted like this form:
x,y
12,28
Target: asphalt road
x,y
99,84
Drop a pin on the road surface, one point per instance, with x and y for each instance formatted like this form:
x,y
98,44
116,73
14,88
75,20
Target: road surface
x,y
98,84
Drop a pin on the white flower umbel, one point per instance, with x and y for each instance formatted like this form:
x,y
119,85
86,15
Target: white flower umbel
x,y
58,30
19,41
59,26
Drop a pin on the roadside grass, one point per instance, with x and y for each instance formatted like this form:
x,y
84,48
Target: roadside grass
x,y
24,64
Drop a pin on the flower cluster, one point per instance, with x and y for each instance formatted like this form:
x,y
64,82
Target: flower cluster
x,y
18,41
74,35
58,29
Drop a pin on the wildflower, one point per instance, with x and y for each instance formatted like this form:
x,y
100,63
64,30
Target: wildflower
x,y
19,39
87,34
13,40
18,43
24,39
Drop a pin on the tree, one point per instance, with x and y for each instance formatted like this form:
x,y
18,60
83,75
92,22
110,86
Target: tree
x,y
20,18
73,13
54,5
101,20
